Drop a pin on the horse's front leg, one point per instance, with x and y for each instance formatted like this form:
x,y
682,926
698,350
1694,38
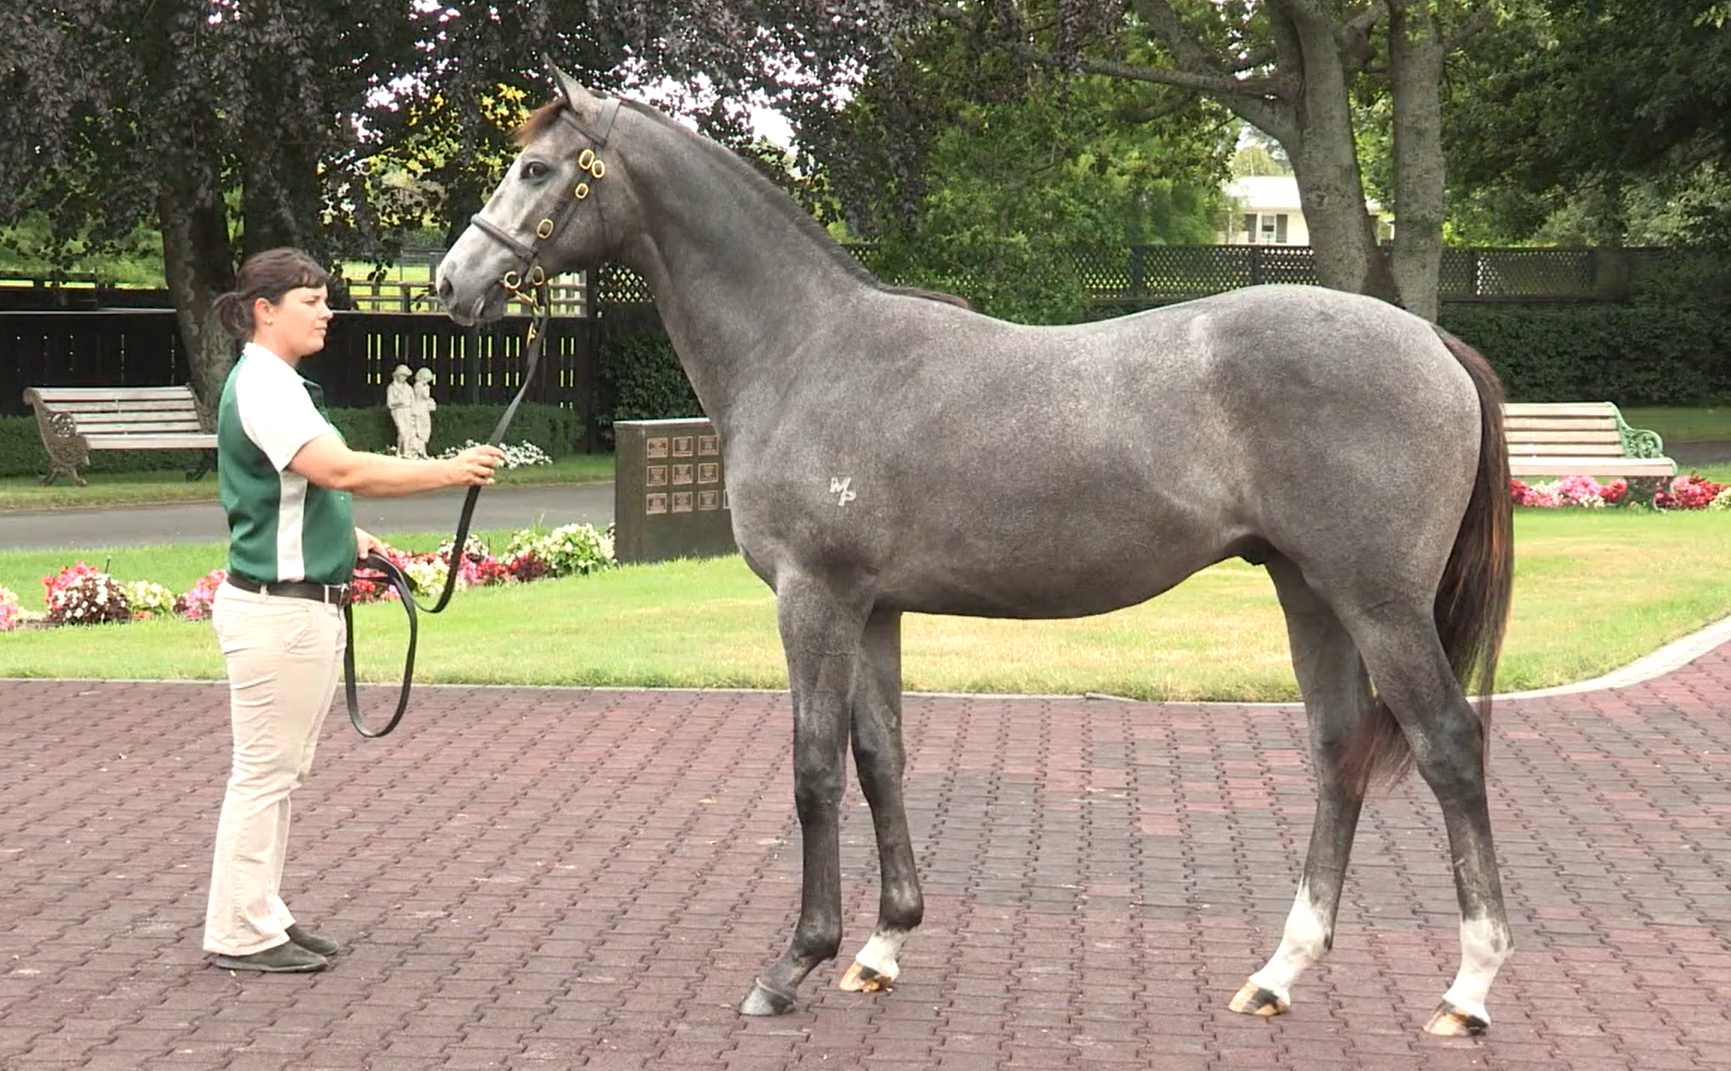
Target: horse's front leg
x,y
821,626
880,758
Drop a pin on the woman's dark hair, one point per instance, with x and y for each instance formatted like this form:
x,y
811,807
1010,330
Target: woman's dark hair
x,y
268,275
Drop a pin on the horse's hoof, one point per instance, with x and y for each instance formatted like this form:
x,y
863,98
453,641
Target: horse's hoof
x,y
1450,1020
763,1000
863,979
1255,1000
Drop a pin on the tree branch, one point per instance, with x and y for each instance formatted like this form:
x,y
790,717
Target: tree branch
x,y
1167,26
1477,21
1223,84
1179,102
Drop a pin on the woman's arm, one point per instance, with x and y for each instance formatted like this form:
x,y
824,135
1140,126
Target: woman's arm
x,y
327,462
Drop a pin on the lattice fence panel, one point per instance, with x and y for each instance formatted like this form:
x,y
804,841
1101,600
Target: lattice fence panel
x,y
1534,273
1103,270
1190,270
1285,264
1459,272
621,286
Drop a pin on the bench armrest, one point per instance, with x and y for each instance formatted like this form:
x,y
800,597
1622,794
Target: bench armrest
x,y
1638,442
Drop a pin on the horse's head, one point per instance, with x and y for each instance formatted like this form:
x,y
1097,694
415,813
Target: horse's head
x,y
558,208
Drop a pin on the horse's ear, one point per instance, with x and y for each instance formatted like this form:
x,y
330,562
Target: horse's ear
x,y
582,101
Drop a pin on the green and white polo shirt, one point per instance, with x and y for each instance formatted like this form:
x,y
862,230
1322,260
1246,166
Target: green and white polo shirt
x,y
280,526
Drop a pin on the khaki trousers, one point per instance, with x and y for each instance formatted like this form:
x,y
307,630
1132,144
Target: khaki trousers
x,y
284,657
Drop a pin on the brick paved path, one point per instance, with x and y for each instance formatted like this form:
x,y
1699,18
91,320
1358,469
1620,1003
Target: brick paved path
x,y
573,879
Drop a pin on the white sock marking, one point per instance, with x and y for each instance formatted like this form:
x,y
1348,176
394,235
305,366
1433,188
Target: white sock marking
x,y
1484,946
1302,945
880,952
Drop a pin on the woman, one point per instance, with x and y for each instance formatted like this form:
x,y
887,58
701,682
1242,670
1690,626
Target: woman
x,y
286,479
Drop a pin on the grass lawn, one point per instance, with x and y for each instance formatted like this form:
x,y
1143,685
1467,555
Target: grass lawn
x,y
1593,591
1683,425
156,488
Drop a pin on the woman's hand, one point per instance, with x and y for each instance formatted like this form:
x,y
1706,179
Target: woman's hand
x,y
366,543
475,465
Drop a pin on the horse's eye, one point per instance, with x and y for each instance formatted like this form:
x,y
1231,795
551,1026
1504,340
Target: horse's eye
x,y
535,169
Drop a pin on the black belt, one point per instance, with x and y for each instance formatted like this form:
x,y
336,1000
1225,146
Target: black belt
x,y
334,594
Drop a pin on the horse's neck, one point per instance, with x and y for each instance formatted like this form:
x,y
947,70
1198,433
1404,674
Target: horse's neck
x,y
738,284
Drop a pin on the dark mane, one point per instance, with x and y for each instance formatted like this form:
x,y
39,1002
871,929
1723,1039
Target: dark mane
x,y
546,115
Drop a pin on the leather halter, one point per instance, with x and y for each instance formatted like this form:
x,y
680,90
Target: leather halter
x,y
526,273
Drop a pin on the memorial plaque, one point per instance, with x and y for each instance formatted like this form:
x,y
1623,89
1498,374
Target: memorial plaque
x,y
670,491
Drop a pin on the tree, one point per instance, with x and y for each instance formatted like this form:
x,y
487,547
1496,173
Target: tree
x,y
228,127
1614,125
1288,68
236,126
974,174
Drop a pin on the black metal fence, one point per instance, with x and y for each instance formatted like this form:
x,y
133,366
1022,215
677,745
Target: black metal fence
x,y
142,347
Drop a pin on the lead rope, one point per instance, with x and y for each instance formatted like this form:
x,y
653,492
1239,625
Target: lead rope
x,y
527,282
534,342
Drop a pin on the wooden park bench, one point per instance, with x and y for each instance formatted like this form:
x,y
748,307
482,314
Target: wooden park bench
x,y
1581,439
77,420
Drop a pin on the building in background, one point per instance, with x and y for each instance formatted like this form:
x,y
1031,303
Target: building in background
x,y
1265,211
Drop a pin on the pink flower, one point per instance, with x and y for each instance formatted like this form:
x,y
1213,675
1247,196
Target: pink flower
x,y
1693,491
195,604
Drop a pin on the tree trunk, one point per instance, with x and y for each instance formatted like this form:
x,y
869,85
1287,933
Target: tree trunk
x,y
1416,67
198,262
1324,156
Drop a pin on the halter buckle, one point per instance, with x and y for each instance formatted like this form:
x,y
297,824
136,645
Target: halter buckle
x,y
544,229
511,280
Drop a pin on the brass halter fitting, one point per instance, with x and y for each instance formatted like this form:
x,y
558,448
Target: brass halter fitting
x,y
591,164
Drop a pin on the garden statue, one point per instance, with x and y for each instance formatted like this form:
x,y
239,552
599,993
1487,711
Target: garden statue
x,y
421,409
399,399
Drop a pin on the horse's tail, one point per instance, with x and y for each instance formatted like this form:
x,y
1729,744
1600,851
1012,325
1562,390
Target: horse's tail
x,y
1472,601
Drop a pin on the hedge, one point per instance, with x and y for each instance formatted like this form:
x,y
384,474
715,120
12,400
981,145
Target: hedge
x,y
1673,354
641,379
1627,354
556,430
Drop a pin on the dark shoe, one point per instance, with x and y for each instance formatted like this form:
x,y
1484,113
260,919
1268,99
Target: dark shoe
x,y
286,958
312,942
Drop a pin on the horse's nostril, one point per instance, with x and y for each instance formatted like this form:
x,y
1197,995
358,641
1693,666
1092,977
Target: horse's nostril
x,y
445,289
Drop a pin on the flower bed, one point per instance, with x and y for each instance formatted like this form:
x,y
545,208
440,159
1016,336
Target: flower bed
x,y
82,595
1683,492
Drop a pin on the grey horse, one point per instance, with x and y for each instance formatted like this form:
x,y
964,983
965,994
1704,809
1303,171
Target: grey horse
x,y
888,453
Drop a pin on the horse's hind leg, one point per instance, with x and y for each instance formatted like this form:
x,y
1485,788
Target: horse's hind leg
x,y
1413,677
880,759
1332,680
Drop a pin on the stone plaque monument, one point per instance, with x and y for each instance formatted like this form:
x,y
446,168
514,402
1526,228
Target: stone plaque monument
x,y
669,491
